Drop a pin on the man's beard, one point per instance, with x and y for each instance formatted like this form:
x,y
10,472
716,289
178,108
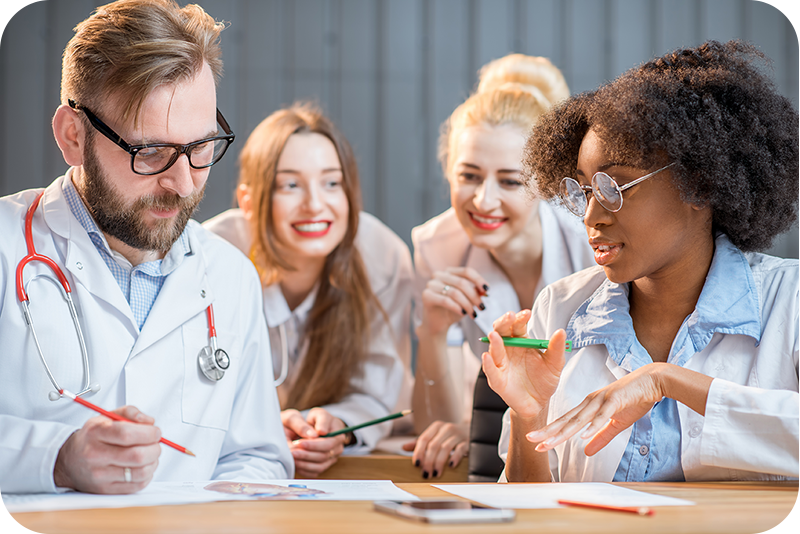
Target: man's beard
x,y
127,223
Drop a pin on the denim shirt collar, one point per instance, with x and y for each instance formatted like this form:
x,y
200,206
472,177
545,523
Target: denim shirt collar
x,y
728,304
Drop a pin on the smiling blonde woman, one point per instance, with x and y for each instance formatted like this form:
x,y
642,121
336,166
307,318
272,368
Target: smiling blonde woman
x,y
492,251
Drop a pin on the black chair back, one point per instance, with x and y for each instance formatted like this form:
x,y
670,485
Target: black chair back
x,y
488,408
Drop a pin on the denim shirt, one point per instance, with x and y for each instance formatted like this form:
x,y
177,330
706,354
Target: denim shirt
x,y
653,452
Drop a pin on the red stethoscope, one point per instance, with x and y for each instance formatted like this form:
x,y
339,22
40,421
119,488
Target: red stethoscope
x,y
213,361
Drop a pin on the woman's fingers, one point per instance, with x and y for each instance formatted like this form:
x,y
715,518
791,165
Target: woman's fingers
x,y
294,421
520,326
434,446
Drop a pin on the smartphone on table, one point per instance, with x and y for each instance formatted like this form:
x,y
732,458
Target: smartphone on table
x,y
445,511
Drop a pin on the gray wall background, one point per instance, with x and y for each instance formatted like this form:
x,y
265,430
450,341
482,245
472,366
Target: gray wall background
x,y
387,71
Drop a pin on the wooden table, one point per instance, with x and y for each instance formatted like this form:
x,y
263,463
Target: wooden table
x,y
377,466
725,508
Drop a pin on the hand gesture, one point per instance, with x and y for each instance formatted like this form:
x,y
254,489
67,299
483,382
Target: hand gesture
x,y
610,410
312,452
107,456
450,295
439,444
525,378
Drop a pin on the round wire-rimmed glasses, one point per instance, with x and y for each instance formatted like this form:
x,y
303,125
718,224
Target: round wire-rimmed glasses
x,y
156,158
604,188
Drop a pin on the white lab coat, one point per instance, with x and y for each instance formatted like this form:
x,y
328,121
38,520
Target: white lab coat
x,y
386,383
233,426
441,243
750,430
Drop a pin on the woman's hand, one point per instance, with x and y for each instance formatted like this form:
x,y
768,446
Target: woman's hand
x,y
610,410
312,452
524,378
450,295
439,444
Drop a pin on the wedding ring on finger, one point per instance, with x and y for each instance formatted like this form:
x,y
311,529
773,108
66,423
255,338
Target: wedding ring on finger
x,y
127,472
445,289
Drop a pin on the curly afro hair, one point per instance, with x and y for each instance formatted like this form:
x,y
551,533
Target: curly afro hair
x,y
711,111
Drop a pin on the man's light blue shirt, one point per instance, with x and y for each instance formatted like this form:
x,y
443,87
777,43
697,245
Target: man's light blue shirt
x,y
653,452
140,284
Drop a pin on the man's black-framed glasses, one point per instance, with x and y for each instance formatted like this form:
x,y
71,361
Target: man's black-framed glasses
x,y
156,158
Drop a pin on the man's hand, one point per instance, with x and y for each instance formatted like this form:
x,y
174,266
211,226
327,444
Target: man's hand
x,y
97,458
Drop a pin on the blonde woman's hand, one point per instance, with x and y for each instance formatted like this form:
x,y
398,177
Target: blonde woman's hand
x,y
450,295
441,444
524,378
312,452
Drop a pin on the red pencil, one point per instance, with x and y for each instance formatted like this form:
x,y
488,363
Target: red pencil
x,y
115,417
639,510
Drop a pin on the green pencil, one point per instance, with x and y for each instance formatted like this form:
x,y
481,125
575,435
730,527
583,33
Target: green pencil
x,y
368,423
528,343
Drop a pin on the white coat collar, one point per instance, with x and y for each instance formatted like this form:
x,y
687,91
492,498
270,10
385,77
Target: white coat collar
x,y
277,309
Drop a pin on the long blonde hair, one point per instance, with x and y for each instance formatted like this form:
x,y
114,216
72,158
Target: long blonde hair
x,y
515,89
338,323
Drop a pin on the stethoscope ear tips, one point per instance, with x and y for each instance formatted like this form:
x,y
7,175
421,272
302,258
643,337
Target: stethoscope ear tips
x,y
54,395
94,388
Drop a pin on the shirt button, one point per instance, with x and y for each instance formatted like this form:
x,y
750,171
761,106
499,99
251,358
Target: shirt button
x,y
695,431
643,450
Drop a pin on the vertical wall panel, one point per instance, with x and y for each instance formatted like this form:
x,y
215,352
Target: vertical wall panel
x,y
631,36
359,88
587,42
401,167
452,80
543,29
495,30
676,24
722,19
23,89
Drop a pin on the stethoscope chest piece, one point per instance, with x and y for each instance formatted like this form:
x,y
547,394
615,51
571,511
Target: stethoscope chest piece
x,y
213,363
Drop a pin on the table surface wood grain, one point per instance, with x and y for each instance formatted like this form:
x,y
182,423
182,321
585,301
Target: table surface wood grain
x,y
725,508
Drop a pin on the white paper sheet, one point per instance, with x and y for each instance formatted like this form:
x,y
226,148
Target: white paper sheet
x,y
164,493
546,495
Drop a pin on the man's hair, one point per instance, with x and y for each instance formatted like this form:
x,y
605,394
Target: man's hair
x,y
712,112
126,49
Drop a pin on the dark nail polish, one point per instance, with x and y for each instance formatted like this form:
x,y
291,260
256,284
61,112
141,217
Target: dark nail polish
x,y
485,287
416,464
452,464
463,311
474,315
435,473
424,474
482,306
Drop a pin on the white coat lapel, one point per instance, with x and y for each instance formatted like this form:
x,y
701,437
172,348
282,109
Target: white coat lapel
x,y
81,258
185,294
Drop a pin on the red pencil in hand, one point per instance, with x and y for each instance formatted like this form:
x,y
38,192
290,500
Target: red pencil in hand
x,y
116,417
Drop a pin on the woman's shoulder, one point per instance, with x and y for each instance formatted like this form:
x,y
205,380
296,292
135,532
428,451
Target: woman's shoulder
x,y
232,226
440,242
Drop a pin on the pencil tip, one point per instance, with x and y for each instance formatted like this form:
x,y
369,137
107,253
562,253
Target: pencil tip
x,y
187,451
406,412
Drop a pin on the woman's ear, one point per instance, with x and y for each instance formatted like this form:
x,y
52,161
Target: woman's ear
x,y
69,133
245,200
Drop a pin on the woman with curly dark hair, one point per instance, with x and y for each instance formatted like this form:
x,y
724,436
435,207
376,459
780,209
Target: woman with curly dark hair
x,y
684,339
